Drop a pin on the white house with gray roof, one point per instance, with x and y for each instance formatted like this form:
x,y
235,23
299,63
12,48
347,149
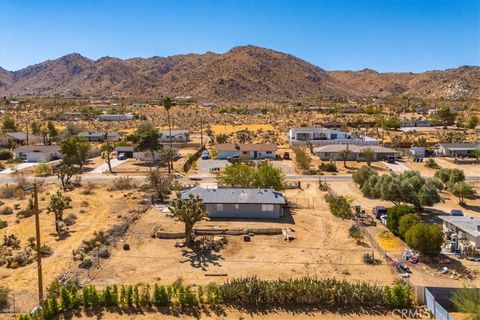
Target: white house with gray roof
x,y
456,149
242,203
38,153
100,136
332,152
177,135
324,136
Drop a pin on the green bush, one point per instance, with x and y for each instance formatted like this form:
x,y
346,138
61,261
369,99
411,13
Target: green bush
x,y
406,222
430,163
5,155
398,296
425,238
340,207
328,167
3,224
361,176
355,232
15,161
3,298
394,214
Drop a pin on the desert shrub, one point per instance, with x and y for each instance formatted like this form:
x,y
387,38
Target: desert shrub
x,y
425,238
3,298
394,214
8,192
406,222
467,300
328,167
450,176
5,155
302,159
46,250
3,224
70,219
340,207
398,296
361,176
15,161
122,183
369,258
6,210
88,188
431,163
103,252
355,232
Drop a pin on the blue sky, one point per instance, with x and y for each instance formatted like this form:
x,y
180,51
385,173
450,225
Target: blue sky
x,y
385,35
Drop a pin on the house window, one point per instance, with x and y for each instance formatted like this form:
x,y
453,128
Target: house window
x,y
237,206
333,136
219,206
267,207
245,152
269,152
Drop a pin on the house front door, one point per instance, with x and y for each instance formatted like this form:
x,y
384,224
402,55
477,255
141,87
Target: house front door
x,y
255,154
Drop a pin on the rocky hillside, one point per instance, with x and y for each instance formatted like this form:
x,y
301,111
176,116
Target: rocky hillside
x,y
242,74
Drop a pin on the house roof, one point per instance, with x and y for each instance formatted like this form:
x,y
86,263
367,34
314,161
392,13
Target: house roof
x,y
459,145
353,148
98,134
46,149
236,195
21,136
468,224
246,147
174,132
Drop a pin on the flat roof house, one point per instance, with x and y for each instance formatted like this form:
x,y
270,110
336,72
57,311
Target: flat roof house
x,y
467,228
246,150
458,149
177,135
239,203
332,152
116,117
38,153
18,138
324,136
100,136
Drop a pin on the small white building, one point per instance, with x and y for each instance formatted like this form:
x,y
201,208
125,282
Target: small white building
x,y
249,151
332,152
177,135
116,117
38,153
324,136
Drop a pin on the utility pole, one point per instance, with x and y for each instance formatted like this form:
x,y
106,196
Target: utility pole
x,y
201,131
37,234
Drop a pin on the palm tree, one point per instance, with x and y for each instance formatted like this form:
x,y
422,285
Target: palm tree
x,y
189,211
167,104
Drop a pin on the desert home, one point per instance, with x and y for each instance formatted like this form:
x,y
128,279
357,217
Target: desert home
x,y
466,228
324,136
246,150
116,117
332,152
456,149
38,153
18,138
239,202
100,136
177,135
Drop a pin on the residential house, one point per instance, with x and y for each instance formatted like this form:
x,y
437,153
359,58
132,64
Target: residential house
x,y
239,203
466,228
131,153
9,139
116,117
38,153
100,136
246,150
415,123
324,136
332,152
456,149
177,135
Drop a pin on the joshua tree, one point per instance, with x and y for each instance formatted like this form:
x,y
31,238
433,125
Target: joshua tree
x,y
58,204
107,149
369,155
344,155
160,183
189,211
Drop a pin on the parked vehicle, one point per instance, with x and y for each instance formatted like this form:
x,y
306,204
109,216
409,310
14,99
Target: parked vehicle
x,y
233,159
286,156
121,156
379,211
383,219
205,155
456,213
390,159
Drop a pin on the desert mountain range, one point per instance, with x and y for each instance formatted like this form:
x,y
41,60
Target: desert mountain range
x,y
242,74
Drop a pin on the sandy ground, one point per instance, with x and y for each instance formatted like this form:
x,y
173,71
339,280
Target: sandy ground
x,y
321,248
103,210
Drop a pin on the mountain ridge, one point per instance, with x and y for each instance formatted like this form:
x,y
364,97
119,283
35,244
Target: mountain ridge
x,y
242,74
